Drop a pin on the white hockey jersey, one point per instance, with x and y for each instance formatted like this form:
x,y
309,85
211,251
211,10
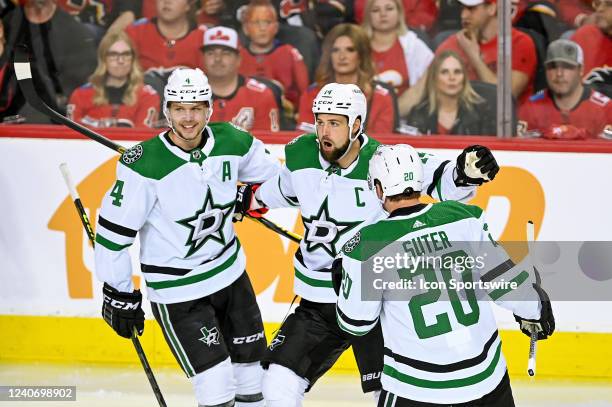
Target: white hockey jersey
x,y
181,203
333,201
441,340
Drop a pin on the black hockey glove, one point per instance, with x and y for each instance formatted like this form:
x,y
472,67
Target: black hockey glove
x,y
245,197
475,168
545,326
123,311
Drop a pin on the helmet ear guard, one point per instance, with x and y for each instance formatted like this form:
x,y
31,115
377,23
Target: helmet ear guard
x,y
397,168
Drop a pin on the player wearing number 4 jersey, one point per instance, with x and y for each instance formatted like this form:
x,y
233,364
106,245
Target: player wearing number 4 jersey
x,y
441,345
177,190
325,176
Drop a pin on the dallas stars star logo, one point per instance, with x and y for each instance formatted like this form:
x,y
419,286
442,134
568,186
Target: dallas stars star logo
x,y
210,336
206,224
324,231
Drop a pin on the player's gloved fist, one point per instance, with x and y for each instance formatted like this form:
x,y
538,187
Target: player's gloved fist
x,y
475,165
247,204
545,326
123,311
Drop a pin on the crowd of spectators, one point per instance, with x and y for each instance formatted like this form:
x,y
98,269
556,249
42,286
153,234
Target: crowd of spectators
x,y
427,67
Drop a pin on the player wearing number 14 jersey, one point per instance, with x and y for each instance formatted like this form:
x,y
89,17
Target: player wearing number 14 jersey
x,y
441,345
325,176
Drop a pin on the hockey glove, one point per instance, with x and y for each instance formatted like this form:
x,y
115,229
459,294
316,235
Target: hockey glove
x,y
247,204
545,326
475,165
123,311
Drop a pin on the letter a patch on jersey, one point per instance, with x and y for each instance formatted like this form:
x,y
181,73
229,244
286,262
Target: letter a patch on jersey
x,y
207,223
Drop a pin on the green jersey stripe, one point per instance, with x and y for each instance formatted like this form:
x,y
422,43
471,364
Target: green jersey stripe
x,y
311,281
349,330
500,292
157,285
110,245
445,384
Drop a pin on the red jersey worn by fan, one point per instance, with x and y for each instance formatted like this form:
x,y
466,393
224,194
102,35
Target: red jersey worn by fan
x,y
381,110
143,113
597,48
524,57
252,106
539,114
155,52
283,63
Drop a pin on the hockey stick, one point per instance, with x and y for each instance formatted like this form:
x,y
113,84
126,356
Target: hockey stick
x,y
87,225
533,340
24,78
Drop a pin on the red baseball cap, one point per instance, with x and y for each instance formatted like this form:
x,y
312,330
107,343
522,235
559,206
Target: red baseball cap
x,y
472,3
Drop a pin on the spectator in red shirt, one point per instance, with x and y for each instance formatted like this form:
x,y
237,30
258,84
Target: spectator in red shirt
x,y
243,101
476,43
419,14
169,40
265,56
347,58
567,109
596,41
450,105
400,57
116,95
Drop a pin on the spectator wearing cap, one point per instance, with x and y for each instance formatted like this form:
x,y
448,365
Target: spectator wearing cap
x,y
476,43
169,40
596,41
267,57
567,109
245,102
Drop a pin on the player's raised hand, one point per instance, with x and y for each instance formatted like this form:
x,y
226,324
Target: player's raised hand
x,y
545,326
123,311
475,165
246,204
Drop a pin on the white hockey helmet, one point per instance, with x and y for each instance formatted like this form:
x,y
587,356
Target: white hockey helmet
x,y
397,168
343,99
187,86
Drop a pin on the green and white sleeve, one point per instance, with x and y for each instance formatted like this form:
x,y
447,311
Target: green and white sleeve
x,y
125,208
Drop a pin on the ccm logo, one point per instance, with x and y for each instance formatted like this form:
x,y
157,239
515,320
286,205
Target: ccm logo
x,y
121,304
370,376
248,339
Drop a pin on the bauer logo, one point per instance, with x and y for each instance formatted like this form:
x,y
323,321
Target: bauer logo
x,y
132,155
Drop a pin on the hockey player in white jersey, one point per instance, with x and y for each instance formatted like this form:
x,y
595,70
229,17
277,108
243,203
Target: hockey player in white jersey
x,y
325,177
441,345
177,191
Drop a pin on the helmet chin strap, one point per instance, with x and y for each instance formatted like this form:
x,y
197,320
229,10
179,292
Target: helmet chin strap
x,y
351,141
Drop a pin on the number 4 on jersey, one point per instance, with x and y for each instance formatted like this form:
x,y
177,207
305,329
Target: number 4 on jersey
x,y
116,193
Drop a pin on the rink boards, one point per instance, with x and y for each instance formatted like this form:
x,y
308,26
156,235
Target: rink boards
x,y
50,303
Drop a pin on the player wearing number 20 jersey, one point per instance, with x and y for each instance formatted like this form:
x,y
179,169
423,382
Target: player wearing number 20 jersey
x,y
441,344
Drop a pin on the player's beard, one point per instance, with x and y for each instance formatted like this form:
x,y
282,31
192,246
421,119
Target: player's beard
x,y
333,155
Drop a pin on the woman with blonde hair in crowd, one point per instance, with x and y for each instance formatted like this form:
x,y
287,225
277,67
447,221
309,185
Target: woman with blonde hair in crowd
x,y
347,58
115,95
400,57
450,105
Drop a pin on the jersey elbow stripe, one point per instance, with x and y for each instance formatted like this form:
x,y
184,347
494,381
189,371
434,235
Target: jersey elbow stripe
x,y
500,292
115,228
102,241
353,330
354,322
291,200
436,180
497,271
